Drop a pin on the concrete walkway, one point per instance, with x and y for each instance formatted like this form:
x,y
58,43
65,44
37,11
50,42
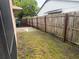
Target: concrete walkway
x,y
34,44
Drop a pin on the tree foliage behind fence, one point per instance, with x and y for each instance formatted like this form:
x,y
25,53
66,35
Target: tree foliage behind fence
x,y
64,25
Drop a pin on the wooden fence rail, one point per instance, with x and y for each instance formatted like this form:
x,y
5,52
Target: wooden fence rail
x,y
65,26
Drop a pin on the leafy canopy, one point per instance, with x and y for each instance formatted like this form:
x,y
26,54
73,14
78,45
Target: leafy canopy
x,y
30,7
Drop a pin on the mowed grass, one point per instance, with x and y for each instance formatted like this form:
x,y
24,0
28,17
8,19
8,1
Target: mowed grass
x,y
40,45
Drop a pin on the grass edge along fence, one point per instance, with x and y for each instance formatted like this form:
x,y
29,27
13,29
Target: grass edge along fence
x,y
63,25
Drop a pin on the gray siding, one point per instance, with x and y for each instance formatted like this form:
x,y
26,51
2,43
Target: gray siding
x,y
7,28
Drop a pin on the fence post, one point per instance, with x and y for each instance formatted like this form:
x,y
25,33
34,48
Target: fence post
x,y
29,22
32,22
65,28
37,22
45,23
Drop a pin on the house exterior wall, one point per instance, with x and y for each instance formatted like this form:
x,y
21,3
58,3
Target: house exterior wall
x,y
64,5
8,28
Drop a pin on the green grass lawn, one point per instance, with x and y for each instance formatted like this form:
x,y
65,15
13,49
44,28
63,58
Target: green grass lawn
x,y
40,45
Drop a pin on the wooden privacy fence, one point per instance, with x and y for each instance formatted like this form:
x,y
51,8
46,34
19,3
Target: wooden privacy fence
x,y
65,26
